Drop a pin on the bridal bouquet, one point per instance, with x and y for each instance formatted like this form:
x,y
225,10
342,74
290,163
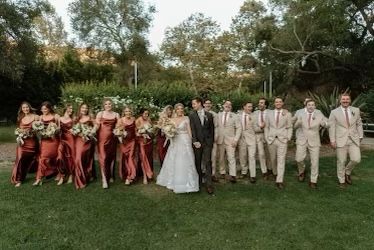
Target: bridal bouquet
x,y
76,129
87,132
22,134
45,132
120,133
169,129
146,131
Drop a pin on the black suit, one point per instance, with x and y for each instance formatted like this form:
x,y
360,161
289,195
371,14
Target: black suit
x,y
205,135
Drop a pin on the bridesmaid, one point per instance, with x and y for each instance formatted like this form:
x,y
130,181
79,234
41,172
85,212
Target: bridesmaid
x,y
145,143
27,152
161,138
84,151
67,148
48,146
127,166
107,143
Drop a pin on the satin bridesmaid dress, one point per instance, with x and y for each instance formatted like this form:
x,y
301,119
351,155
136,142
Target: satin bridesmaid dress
x,y
66,152
127,166
26,156
84,160
162,148
107,147
48,154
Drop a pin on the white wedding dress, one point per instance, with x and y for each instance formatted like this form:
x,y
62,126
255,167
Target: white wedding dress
x,y
178,171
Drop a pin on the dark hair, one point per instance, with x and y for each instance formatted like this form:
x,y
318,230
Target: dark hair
x,y
20,114
245,103
278,97
198,99
142,110
67,105
266,100
48,105
207,99
344,94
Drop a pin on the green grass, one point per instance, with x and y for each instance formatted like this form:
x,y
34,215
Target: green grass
x,y
240,216
7,134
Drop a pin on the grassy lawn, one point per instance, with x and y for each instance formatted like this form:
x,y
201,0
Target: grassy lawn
x,y
240,216
7,134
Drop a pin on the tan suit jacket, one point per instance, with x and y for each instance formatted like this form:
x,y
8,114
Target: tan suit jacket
x,y
284,129
230,131
310,135
248,136
339,131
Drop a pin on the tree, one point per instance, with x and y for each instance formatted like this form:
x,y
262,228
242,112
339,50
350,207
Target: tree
x,y
194,46
117,26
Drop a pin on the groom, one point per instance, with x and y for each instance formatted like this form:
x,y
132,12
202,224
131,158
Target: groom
x,y
202,128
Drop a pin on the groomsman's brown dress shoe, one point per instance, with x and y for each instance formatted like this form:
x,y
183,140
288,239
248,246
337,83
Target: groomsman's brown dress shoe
x,y
342,185
313,185
252,180
223,176
348,179
210,190
233,179
301,177
265,176
279,185
215,179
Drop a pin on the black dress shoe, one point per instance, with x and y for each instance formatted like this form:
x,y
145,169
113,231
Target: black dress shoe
x,y
215,179
210,190
313,185
233,179
252,180
342,185
348,179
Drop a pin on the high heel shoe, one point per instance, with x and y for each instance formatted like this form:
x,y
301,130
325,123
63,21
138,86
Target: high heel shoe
x,y
18,184
105,185
111,180
37,183
145,181
60,182
127,182
70,179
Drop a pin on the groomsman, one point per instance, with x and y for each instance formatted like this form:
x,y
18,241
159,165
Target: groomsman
x,y
309,124
346,133
247,143
278,131
298,114
228,134
208,107
259,123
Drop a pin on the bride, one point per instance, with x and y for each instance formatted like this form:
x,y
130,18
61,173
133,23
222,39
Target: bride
x,y
178,171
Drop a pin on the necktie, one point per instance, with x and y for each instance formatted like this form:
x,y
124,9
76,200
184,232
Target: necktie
x,y
224,119
309,119
262,117
277,120
245,121
346,117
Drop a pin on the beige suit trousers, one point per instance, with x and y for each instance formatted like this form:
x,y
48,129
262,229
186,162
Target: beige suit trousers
x,y
354,153
261,151
301,151
229,152
278,151
247,157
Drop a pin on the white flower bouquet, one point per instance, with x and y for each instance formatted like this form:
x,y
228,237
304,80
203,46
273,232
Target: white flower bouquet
x,y
120,133
22,134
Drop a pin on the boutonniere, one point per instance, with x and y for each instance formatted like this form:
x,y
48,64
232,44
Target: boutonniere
x,y
313,117
230,115
353,113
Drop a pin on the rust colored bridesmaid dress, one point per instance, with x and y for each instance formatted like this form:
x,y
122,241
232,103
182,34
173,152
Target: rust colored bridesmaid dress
x,y
127,166
84,160
146,156
26,156
66,151
107,147
161,147
48,155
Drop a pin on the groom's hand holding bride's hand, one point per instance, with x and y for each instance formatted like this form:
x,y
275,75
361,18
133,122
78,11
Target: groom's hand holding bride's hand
x,y
197,144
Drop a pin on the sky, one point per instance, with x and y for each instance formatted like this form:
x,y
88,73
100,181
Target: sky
x,y
172,12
